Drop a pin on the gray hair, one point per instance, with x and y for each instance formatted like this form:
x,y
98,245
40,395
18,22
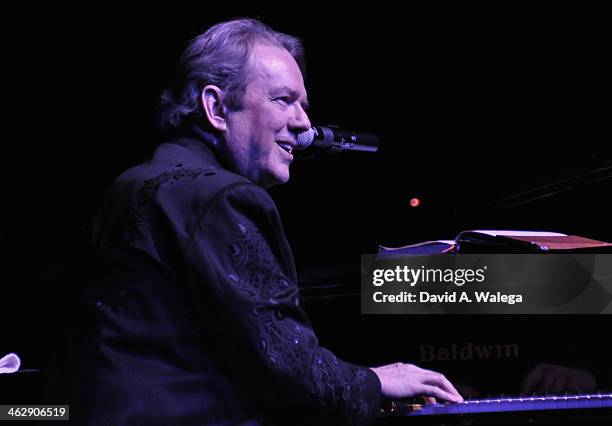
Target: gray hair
x,y
219,57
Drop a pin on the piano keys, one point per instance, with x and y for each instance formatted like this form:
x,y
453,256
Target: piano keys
x,y
550,409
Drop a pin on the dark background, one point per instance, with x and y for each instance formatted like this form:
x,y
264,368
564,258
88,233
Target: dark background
x,y
472,105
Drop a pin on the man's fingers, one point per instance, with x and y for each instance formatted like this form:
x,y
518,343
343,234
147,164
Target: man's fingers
x,y
438,393
401,380
441,381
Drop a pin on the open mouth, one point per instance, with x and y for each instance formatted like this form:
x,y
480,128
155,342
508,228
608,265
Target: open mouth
x,y
285,146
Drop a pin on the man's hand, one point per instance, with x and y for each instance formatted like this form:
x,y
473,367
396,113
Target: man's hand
x,y
406,380
556,378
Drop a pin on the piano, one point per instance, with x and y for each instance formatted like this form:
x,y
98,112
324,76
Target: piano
x,y
489,353
578,409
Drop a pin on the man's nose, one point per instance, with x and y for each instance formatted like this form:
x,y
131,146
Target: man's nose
x,y
299,122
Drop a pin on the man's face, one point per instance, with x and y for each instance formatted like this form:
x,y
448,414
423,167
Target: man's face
x,y
260,136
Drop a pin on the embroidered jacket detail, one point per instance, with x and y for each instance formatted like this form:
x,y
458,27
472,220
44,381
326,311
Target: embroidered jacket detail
x,y
141,204
289,346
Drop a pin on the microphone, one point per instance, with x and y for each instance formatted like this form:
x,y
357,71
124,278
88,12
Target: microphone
x,y
332,139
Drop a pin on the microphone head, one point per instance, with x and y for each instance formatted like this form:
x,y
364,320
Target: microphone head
x,y
305,139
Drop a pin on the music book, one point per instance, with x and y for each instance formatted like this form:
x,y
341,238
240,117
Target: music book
x,y
502,241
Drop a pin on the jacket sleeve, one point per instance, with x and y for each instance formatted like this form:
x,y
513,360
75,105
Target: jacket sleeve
x,y
242,272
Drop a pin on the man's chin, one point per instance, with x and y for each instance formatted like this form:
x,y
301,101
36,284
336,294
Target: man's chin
x,y
277,178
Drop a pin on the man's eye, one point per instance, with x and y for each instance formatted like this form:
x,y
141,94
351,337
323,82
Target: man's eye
x,y
285,100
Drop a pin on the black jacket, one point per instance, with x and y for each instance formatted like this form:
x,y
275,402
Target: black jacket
x,y
194,314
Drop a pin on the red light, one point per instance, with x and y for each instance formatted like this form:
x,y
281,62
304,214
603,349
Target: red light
x,y
415,202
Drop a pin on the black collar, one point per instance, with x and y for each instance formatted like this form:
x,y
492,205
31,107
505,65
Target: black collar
x,y
203,144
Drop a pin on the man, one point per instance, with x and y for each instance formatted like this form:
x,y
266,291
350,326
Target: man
x,y
195,315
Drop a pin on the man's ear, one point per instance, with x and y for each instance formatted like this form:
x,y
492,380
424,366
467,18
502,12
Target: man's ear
x,y
212,102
